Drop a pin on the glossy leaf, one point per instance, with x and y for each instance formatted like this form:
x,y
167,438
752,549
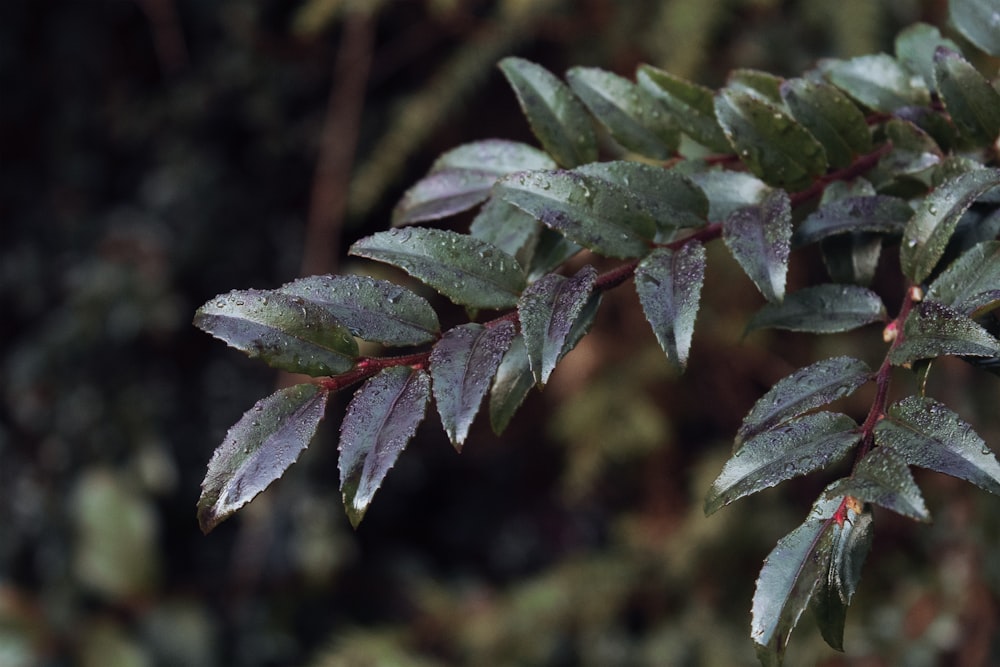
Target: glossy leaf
x,y
877,81
934,330
258,449
764,85
759,238
468,271
591,212
805,389
770,143
878,213
511,385
913,153
728,191
633,117
823,308
790,450
979,22
557,118
374,310
926,235
972,103
284,331
883,478
915,47
925,433
971,282
831,117
379,423
462,366
692,106
505,226
669,286
551,250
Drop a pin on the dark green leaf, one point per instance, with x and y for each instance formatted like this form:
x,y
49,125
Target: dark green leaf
x,y
824,308
632,116
926,235
972,103
468,271
511,385
790,450
258,449
913,152
669,286
375,310
831,117
556,116
852,258
805,389
935,330
971,282
592,212
692,106
979,22
877,81
927,434
770,142
884,479
548,309
728,191
551,251
505,226
285,331
915,47
380,420
879,213
759,238
851,541
462,366
763,85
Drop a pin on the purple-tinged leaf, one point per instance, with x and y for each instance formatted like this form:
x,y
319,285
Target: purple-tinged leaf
x,y
883,478
935,330
379,423
831,117
971,282
258,449
925,433
669,286
283,330
511,385
759,238
972,103
823,308
879,213
463,364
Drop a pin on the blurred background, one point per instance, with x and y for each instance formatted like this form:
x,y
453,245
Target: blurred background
x,y
156,153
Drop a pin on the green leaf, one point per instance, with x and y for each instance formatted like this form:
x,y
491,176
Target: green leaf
x,y
728,191
692,106
805,389
632,116
380,421
831,117
979,22
258,449
763,85
852,258
770,142
971,282
511,385
972,103
551,251
877,81
669,286
462,365
884,479
792,449
463,177
466,270
878,213
759,238
285,331
935,330
915,47
556,116
589,211
826,308
374,310
850,540
548,309
913,152
505,226
926,235
927,434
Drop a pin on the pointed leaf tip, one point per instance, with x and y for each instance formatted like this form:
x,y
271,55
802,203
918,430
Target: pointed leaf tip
x,y
669,286
759,238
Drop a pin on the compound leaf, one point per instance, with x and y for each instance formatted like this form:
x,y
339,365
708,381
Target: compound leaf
x,y
877,81
826,308
934,330
759,238
511,385
979,22
972,103
877,213
883,478
831,117
692,106
971,282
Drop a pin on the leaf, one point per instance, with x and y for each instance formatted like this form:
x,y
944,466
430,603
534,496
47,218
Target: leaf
x,y
692,106
790,450
763,85
826,308
831,117
805,389
557,118
374,310
551,251
926,234
925,433
979,22
463,177
462,365
852,258
913,152
770,143
258,449
972,103
466,270
633,117
884,479
934,330
669,286
759,238
505,226
915,47
877,81
591,212
547,311
380,421
511,385
878,213
284,331
971,282
728,191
